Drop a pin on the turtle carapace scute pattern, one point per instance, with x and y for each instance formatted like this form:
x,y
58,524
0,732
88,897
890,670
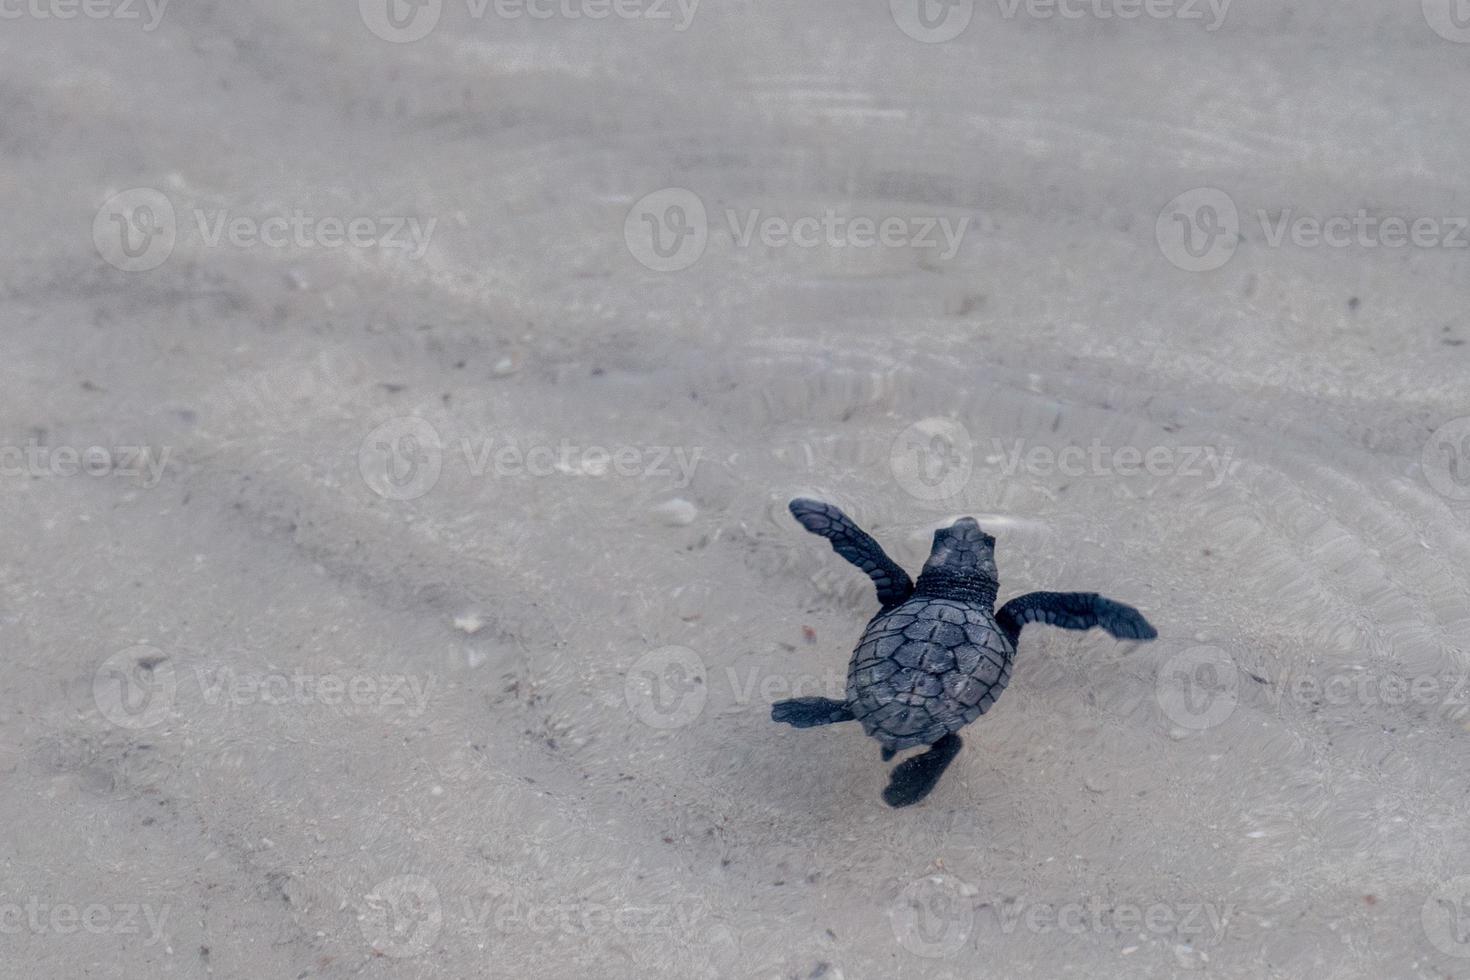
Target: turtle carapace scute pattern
x,y
938,654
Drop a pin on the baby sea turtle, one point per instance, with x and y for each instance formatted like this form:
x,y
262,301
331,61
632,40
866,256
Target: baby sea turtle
x,y
937,655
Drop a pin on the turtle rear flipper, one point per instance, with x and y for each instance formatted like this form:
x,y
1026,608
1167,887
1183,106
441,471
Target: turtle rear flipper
x,y
1073,611
913,779
857,546
810,712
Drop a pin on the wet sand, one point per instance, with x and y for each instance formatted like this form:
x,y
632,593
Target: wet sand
x,y
397,435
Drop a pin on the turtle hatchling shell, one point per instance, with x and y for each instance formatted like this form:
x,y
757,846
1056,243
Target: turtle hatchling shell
x,y
926,668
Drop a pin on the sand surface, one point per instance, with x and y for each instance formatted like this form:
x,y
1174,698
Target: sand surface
x,y
411,605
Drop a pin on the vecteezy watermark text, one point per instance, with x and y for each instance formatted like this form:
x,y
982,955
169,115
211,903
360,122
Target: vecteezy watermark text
x,y
140,687
1200,230
43,918
937,916
137,230
832,230
1100,460
669,230
1200,688
403,458
669,687
86,9
934,458
1203,920
1362,230
1185,10
224,686
937,21
406,21
143,463
404,916
304,229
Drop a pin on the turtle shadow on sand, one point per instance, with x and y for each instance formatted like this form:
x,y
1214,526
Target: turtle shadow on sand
x,y
938,654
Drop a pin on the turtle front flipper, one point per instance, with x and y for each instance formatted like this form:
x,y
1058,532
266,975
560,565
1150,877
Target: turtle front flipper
x,y
857,546
1073,611
810,712
913,779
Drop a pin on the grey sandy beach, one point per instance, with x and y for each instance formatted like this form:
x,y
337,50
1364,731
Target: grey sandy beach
x,y
399,404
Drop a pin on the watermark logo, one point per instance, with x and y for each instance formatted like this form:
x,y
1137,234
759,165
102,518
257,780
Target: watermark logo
x,y
1199,688
932,917
401,21
96,919
1097,459
932,21
1446,459
627,10
500,915
139,687
665,688
136,230
667,231
1184,10
407,915
403,916
406,21
402,458
143,463
1362,230
836,231
933,459
1450,19
670,688
1196,922
1199,230
759,689
1348,686
1446,917
88,9
298,228
135,688
225,687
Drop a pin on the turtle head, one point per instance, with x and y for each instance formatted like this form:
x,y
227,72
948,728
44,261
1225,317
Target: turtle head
x,y
961,563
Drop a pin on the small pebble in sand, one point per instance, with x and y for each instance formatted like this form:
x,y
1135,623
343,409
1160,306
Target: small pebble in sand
x,y
503,367
677,512
470,623
1189,958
